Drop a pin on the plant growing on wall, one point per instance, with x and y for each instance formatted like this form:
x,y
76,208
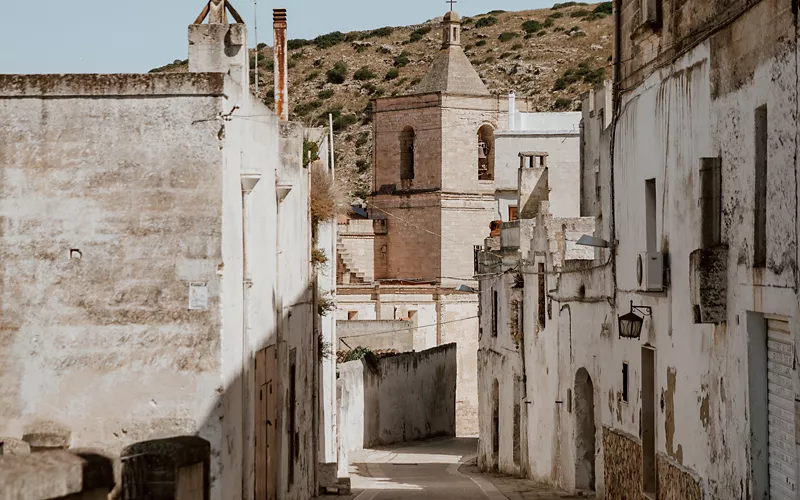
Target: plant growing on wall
x,y
318,257
325,303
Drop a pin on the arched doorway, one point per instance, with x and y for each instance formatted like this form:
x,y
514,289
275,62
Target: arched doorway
x,y
585,450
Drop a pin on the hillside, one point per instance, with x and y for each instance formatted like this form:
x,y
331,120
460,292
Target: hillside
x,y
550,55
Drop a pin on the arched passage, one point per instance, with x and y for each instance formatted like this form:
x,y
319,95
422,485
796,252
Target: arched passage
x,y
585,449
486,153
407,154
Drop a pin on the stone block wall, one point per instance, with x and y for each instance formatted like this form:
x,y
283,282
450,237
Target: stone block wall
x,y
623,466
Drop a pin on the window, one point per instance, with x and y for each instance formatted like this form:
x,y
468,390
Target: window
x,y
352,315
486,153
650,213
542,281
494,313
625,382
407,139
651,12
711,201
513,213
762,161
294,448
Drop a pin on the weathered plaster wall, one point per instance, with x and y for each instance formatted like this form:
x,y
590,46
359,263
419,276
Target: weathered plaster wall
x,y
400,398
563,163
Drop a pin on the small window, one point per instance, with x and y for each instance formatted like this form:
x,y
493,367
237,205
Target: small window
x,y
625,382
494,313
407,140
542,282
651,216
352,315
513,213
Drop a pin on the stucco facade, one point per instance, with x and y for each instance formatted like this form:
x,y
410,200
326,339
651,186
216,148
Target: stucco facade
x,y
130,309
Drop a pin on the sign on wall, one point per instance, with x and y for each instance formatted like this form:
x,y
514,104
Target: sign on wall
x,y
198,296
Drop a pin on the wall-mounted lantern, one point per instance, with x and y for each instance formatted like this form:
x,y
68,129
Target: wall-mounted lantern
x,y
630,325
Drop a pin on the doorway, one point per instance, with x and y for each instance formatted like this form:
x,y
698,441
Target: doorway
x,y
585,432
496,423
266,464
649,421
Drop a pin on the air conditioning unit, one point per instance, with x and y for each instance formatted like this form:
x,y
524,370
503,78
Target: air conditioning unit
x,y
650,271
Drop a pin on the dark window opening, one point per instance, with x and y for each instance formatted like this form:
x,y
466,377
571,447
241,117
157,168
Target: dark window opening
x,y
494,313
711,201
542,281
293,436
625,382
407,139
762,166
651,216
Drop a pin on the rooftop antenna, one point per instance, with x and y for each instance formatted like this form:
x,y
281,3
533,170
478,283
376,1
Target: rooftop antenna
x,y
255,27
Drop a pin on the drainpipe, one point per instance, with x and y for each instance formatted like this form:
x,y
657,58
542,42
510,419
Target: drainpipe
x,y
281,65
617,49
249,182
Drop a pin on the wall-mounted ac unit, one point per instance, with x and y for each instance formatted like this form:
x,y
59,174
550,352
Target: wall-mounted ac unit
x,y
650,271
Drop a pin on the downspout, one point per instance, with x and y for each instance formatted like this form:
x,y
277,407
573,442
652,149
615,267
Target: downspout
x,y
617,107
248,182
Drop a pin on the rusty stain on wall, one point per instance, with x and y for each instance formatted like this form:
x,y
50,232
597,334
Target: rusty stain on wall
x,y
669,418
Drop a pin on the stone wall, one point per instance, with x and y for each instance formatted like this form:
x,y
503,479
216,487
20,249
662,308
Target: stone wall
x,y
674,483
401,398
623,466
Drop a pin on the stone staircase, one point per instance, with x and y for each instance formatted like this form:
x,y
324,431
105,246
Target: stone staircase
x,y
356,276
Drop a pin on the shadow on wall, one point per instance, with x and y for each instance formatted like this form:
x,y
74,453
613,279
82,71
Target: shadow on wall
x,y
396,399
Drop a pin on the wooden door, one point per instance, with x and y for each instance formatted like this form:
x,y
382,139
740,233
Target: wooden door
x,y
266,472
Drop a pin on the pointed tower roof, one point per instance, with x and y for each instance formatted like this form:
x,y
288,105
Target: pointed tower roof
x,y
451,71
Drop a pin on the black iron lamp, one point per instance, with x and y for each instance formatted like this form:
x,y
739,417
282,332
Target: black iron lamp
x,y
630,325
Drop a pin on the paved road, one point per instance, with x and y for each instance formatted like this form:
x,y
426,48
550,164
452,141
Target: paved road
x,y
426,470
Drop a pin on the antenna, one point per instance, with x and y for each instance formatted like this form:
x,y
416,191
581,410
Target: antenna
x,y
255,27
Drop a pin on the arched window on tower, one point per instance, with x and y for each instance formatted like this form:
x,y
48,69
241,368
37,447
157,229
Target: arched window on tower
x,y
407,154
486,153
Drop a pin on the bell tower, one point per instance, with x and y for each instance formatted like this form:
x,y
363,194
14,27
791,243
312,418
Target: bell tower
x,y
451,25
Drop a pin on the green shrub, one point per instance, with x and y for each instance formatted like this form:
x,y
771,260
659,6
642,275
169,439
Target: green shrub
x,y
541,33
566,4
329,40
381,32
574,29
468,47
392,74
318,63
556,15
517,46
485,22
424,30
560,84
508,35
362,166
369,87
297,43
364,74
292,63
548,23
297,55
531,26
337,74
606,8
325,94
579,13
402,59
582,72
488,60
496,12
480,43
505,55
562,103
558,28
415,37
363,138
269,99
383,50
307,107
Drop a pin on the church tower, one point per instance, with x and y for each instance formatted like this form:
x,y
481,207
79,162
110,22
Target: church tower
x,y
433,169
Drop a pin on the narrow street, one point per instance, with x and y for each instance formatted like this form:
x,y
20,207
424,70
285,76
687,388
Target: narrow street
x,y
435,469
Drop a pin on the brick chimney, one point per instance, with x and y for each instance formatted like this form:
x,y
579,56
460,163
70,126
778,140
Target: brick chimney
x,y
281,64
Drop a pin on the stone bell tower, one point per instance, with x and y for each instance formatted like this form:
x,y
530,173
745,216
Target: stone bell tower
x,y
432,181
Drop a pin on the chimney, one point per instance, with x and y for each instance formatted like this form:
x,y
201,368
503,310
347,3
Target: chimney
x,y
281,64
512,111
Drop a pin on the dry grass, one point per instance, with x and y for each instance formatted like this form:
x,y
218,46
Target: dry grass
x,y
326,198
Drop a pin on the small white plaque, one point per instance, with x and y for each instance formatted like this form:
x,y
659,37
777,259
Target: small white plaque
x,y
198,296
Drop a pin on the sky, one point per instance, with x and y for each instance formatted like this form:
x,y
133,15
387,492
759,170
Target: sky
x,y
135,36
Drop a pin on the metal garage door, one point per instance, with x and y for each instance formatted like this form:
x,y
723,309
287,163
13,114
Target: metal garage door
x,y
782,451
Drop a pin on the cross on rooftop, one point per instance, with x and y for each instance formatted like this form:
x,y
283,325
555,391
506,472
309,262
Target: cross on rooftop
x,y
451,2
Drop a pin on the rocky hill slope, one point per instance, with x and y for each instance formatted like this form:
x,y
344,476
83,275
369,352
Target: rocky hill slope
x,y
550,55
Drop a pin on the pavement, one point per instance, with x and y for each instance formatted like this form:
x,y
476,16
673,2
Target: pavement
x,y
433,470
